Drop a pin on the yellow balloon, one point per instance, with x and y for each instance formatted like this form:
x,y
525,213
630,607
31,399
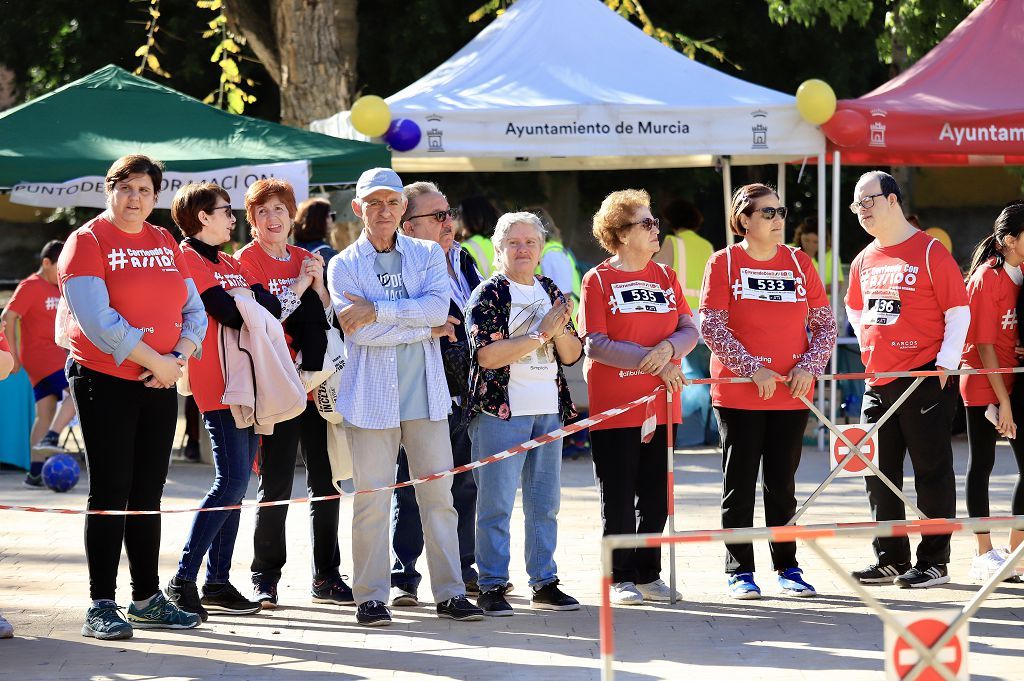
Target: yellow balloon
x,y
942,236
371,115
815,101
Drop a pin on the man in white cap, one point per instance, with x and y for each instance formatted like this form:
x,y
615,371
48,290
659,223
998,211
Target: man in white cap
x,y
391,295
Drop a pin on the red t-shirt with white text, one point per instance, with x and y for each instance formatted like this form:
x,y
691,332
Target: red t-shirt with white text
x,y
993,298
768,302
144,275
640,307
35,302
903,292
206,375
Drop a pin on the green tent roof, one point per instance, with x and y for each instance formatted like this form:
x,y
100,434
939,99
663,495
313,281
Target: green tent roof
x,y
81,128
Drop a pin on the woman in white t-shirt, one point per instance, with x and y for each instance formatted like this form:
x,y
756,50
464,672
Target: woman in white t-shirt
x,y
521,334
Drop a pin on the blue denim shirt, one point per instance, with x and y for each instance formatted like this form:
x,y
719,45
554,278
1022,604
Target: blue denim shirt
x,y
368,395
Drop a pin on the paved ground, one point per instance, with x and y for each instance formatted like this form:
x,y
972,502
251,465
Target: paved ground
x,y
708,636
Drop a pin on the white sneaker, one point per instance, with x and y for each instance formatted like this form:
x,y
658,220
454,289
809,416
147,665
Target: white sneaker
x,y
403,599
986,565
1018,570
6,630
657,590
626,593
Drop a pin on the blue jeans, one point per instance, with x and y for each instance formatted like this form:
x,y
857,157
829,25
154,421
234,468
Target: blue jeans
x,y
540,472
406,527
214,532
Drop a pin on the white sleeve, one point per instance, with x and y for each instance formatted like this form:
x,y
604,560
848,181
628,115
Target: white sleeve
x,y
556,266
853,316
958,320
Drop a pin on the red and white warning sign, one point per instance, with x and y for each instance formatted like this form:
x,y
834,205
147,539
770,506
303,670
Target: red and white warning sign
x,y
854,467
928,626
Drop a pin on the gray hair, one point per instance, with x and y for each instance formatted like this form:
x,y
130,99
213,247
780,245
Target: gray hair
x,y
505,223
415,190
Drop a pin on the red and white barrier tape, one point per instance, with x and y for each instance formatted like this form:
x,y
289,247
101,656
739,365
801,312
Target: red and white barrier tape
x,y
513,451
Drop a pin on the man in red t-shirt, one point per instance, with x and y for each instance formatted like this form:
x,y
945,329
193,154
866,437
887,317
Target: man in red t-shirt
x,y
908,306
30,315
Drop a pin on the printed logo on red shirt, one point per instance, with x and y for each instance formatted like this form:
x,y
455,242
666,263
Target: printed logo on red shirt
x,y
51,302
162,257
230,280
276,286
1009,320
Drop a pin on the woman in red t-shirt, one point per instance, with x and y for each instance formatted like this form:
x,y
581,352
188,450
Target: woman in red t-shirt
x,y
270,260
758,299
636,326
203,214
993,289
135,318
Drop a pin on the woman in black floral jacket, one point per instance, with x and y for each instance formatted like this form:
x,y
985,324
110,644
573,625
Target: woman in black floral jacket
x,y
520,335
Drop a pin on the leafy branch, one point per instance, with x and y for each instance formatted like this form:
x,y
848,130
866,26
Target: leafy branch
x,y
147,51
227,54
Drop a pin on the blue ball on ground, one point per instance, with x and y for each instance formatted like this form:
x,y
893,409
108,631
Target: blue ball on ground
x,y
61,472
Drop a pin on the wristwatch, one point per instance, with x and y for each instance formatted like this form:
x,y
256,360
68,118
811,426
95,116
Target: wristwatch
x,y
178,355
541,336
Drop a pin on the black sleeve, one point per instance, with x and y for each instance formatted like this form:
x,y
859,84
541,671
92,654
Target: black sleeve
x,y
221,307
267,299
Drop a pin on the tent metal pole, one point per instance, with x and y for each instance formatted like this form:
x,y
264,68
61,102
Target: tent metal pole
x,y
730,238
780,183
834,284
822,188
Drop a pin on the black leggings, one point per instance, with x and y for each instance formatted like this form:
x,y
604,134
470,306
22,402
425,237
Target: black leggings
x,y
981,438
750,437
277,471
128,431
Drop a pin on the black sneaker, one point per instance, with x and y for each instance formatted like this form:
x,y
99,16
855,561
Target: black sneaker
x,y
265,594
373,614
550,597
922,575
493,604
459,609
332,590
185,595
880,574
225,598
472,587
34,481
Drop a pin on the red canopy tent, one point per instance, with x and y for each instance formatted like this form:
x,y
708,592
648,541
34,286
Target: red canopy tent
x,y
961,104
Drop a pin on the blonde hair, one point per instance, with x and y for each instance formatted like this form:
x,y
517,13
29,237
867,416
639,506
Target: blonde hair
x,y
616,210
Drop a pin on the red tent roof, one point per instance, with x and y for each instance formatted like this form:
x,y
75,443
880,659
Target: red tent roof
x,y
961,104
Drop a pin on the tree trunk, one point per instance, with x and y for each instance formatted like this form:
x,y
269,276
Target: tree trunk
x,y
308,47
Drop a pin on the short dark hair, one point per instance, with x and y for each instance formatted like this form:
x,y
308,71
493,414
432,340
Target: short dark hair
x,y
681,214
51,251
478,216
134,164
886,182
191,199
743,204
311,220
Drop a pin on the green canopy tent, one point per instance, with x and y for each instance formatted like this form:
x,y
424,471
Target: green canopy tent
x,y
79,129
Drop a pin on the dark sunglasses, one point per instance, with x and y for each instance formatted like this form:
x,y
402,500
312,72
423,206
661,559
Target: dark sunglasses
x,y
440,215
769,213
225,208
650,224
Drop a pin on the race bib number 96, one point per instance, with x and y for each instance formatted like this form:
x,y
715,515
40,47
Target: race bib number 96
x,y
640,296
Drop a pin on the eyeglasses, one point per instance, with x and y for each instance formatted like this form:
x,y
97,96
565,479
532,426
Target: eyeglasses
x,y
769,213
440,215
226,208
866,202
650,224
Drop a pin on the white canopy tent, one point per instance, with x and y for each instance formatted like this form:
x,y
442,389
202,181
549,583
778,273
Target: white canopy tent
x,y
571,85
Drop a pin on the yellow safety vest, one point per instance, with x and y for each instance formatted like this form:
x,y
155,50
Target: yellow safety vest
x,y
577,280
692,252
481,250
827,279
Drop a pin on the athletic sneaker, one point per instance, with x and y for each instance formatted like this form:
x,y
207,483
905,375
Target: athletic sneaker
x,y
6,630
460,610
185,595
403,597
493,603
791,580
48,446
880,574
373,614
225,598
104,622
922,575
161,614
34,481
1018,570
332,590
657,591
472,587
550,597
742,586
986,565
625,593
265,594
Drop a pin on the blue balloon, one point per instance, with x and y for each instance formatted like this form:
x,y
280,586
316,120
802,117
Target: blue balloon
x,y
403,134
60,472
